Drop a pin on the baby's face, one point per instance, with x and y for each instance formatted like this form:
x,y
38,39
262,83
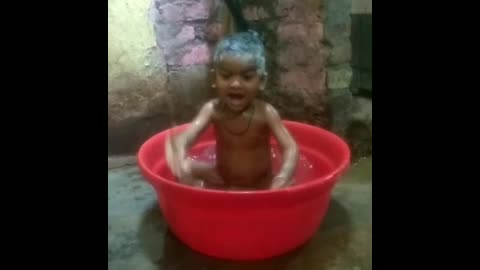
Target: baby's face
x,y
237,83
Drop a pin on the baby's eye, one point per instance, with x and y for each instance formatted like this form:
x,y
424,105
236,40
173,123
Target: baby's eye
x,y
248,77
224,76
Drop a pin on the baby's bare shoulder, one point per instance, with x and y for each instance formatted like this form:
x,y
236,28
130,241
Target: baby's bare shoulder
x,y
265,107
261,105
207,110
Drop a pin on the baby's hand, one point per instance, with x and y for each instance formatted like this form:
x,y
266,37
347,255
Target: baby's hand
x,y
280,182
206,171
179,167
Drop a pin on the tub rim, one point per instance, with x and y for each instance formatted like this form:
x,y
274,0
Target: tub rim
x,y
329,179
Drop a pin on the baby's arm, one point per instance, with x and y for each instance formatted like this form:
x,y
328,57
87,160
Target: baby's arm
x,y
177,146
289,147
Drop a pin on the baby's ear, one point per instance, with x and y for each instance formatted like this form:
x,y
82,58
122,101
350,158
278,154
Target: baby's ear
x,y
211,76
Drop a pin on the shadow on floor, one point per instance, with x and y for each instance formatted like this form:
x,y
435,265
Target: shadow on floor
x,y
167,252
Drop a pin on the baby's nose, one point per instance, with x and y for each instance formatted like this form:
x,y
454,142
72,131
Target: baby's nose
x,y
235,83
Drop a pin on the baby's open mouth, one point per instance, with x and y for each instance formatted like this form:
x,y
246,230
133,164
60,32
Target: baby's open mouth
x,y
236,96
236,99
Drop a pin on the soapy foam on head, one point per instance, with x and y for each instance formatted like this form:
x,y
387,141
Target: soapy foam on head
x,y
245,46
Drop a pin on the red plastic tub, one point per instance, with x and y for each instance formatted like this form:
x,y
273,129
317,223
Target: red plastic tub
x,y
250,225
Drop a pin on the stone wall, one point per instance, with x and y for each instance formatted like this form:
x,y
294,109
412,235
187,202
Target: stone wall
x,y
351,113
337,32
294,35
136,75
181,32
361,39
158,58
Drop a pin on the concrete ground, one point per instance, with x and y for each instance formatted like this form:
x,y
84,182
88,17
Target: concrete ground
x,y
139,239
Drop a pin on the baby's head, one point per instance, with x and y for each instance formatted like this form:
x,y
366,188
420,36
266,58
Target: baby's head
x,y
240,69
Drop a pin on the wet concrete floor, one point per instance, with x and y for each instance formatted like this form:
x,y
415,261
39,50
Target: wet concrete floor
x,y
139,239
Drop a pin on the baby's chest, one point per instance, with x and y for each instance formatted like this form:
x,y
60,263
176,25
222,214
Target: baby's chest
x,y
252,136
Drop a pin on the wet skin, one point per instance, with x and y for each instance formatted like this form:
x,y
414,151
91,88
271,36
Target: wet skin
x,y
243,126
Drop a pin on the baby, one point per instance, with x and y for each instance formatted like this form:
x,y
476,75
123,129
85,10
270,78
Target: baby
x,y
242,125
